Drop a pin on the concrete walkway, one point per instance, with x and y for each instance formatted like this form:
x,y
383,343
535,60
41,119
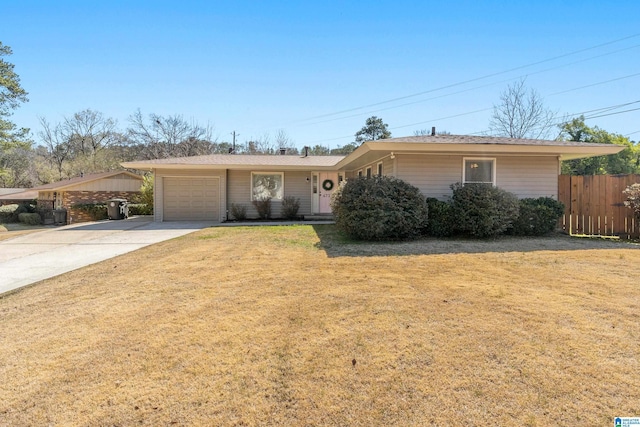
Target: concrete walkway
x,y
37,256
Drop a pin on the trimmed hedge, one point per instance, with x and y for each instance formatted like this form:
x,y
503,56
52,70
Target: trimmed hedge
x,y
379,208
97,211
140,209
482,210
11,213
30,218
537,216
440,222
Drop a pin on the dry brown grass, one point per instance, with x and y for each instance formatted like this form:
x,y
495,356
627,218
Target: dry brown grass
x,y
259,326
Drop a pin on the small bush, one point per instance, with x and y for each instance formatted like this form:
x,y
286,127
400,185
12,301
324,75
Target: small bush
x,y
97,211
140,209
537,216
290,207
482,210
440,223
633,198
11,213
7,213
379,208
263,206
30,218
238,212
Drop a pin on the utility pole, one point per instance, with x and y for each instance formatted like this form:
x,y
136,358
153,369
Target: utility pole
x,y
234,141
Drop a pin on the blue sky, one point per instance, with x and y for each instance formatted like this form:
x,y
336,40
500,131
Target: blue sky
x,y
257,67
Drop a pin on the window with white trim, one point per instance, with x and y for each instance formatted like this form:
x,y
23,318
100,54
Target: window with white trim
x,y
360,173
267,185
479,170
380,170
369,172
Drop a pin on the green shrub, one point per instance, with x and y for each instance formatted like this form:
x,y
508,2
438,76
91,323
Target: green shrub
x,y
97,211
238,212
140,209
482,210
379,208
290,207
537,217
7,213
263,206
11,213
633,198
30,218
440,223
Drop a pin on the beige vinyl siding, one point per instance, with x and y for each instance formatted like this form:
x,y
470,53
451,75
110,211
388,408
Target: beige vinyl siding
x,y
523,176
158,190
387,166
433,175
295,184
240,191
528,176
115,183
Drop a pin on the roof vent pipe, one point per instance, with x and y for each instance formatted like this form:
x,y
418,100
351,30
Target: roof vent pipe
x,y
306,151
433,131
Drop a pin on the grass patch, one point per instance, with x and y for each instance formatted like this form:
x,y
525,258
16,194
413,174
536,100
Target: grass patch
x,y
261,325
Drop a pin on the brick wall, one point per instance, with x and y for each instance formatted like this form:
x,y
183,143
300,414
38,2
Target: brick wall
x,y
71,198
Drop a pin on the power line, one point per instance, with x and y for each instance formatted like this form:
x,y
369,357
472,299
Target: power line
x,y
594,84
583,114
596,113
470,80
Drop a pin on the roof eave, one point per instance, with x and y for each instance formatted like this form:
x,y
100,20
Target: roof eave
x,y
565,152
176,166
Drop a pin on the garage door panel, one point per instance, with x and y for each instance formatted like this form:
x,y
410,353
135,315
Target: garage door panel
x,y
191,199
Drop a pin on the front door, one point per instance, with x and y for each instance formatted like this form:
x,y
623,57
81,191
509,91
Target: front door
x,y
325,184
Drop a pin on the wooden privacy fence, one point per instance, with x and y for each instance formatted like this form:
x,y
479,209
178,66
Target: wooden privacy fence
x,y
594,205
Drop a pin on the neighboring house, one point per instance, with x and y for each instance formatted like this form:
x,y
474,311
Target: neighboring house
x,y
94,188
205,187
7,192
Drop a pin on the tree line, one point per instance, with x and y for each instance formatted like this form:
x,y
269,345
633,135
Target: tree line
x,y
89,142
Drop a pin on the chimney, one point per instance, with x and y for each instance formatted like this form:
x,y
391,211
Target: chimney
x,y
433,131
283,151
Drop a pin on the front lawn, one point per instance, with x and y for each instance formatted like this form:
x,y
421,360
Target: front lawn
x,y
296,326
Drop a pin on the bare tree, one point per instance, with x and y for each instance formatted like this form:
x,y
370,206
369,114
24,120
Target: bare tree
x,y
59,148
161,137
90,132
521,114
284,141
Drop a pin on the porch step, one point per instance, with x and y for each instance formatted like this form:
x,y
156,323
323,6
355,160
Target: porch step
x,y
319,217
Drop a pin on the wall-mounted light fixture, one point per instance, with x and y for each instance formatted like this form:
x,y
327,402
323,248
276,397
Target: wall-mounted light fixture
x,y
393,156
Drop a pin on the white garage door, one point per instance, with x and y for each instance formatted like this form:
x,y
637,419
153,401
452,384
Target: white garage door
x,y
191,199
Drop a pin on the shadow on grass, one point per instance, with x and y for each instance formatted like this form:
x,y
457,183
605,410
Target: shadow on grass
x,y
335,244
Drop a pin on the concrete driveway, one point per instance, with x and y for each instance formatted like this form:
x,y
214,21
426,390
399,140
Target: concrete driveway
x,y
37,256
